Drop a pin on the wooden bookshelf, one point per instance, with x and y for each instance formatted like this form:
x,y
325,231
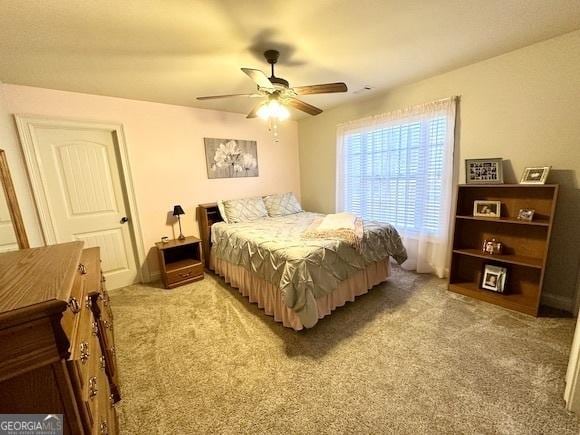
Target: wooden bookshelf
x,y
525,244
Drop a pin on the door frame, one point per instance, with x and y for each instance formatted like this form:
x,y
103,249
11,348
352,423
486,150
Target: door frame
x,y
572,391
26,125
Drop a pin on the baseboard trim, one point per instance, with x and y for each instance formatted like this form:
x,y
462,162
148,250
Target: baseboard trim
x,y
559,302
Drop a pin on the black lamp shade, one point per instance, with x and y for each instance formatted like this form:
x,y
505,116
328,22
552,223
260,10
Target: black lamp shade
x,y
177,210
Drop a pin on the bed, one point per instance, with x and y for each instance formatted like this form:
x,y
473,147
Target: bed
x,y
296,280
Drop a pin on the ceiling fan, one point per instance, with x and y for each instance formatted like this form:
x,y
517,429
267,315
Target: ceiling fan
x,y
278,93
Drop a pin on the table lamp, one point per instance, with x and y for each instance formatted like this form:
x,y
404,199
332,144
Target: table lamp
x,y
178,211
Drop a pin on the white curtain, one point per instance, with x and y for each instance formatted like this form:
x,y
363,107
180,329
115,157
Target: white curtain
x,y
398,168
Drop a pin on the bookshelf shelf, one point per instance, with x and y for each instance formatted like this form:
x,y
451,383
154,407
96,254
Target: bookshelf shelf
x,y
519,260
504,220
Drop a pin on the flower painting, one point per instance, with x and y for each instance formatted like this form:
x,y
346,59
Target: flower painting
x,y
231,158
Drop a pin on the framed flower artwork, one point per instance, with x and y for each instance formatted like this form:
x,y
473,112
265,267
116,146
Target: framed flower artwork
x,y
231,158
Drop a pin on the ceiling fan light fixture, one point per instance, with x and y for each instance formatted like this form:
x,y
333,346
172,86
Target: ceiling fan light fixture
x,y
273,110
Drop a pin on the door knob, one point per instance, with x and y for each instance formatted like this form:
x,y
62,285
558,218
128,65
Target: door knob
x,y
124,219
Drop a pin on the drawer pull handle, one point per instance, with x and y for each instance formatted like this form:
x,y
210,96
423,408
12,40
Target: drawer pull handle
x,y
108,325
94,328
88,302
102,362
74,305
93,386
103,296
84,352
113,350
185,275
104,428
82,269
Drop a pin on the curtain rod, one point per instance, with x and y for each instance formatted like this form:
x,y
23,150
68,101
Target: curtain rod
x,y
401,111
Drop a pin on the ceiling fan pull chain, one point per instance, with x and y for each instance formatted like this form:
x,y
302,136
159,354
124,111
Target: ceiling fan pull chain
x,y
273,128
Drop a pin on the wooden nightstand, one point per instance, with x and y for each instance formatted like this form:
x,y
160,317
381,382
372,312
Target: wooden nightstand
x,y
180,261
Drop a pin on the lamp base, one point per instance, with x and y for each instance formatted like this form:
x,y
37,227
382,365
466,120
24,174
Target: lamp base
x,y
181,236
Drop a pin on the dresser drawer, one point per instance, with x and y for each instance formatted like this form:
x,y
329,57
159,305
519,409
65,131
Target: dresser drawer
x,y
84,346
185,274
107,339
92,383
107,419
71,317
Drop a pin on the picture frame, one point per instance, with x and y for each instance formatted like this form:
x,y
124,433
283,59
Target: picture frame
x,y
231,158
526,214
484,171
535,175
488,209
493,278
492,247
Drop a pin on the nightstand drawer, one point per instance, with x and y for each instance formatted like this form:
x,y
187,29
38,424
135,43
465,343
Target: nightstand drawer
x,y
185,273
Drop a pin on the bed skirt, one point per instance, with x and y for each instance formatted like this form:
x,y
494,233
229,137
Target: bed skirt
x,y
269,298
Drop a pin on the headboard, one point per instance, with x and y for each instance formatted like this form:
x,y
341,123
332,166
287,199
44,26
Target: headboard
x,y
207,215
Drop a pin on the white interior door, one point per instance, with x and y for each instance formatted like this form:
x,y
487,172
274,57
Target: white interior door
x,y
85,197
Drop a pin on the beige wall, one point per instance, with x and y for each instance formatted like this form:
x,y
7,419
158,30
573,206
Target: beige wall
x,y
523,106
166,152
9,143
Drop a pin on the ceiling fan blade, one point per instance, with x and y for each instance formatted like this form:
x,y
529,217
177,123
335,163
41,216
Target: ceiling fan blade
x,y
259,77
254,112
216,97
326,88
305,107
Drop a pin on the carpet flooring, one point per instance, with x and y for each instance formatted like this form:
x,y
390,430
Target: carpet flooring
x,y
408,357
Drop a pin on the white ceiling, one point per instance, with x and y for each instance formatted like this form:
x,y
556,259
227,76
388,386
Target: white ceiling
x,y
171,51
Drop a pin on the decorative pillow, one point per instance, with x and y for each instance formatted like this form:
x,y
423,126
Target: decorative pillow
x,y
282,204
245,209
220,205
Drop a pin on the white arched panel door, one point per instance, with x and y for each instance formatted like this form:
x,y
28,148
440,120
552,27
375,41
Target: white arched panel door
x,y
82,195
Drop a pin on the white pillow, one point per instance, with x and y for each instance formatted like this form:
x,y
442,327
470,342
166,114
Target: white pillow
x,y
282,204
220,205
244,210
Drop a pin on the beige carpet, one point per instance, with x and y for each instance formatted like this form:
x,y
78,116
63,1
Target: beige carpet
x,y
408,357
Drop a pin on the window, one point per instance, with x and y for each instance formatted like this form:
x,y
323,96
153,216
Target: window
x,y
396,171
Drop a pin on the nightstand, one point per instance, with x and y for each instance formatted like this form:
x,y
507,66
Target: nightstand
x,y
180,261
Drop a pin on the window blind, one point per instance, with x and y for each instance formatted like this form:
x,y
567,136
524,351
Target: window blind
x,y
394,174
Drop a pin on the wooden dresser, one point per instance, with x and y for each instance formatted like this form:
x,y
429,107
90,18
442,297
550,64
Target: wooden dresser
x,y
57,353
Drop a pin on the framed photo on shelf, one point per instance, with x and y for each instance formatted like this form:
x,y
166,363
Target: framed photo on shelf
x,y
535,175
493,278
526,214
490,209
483,171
